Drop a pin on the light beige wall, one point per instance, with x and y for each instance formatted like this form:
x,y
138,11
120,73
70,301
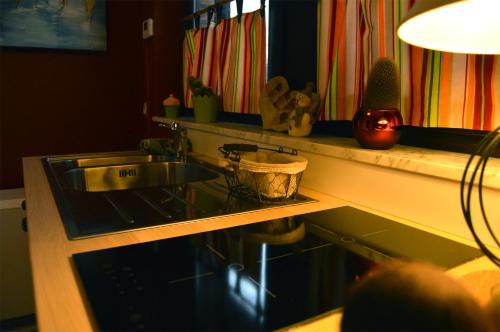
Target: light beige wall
x,y
16,292
426,200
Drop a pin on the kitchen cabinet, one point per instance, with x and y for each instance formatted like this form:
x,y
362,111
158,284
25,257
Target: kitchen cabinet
x,y
16,292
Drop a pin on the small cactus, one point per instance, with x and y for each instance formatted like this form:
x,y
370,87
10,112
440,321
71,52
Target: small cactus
x,y
198,88
383,87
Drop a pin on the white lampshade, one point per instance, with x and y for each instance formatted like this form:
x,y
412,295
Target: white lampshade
x,y
459,26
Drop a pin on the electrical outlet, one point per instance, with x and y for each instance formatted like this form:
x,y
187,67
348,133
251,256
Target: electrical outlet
x,y
147,28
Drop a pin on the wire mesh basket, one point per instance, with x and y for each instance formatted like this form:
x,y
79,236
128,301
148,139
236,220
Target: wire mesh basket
x,y
266,175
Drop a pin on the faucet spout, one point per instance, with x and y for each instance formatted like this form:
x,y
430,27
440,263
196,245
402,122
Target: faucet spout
x,y
180,140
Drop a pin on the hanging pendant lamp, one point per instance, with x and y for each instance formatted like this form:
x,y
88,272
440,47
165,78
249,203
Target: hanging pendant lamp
x,y
458,26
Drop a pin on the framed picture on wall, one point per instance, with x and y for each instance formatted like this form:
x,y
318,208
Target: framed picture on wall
x,y
55,24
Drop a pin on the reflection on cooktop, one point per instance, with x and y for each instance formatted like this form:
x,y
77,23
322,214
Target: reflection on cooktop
x,y
258,277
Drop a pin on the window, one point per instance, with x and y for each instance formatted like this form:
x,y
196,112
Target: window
x,y
231,11
251,6
291,52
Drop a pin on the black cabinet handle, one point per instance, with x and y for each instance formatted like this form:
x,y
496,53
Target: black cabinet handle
x,y
23,205
24,224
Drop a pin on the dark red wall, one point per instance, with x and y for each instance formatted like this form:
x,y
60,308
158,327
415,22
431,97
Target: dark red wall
x,y
57,102
163,76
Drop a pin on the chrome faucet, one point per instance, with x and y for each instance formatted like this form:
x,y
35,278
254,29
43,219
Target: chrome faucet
x,y
180,140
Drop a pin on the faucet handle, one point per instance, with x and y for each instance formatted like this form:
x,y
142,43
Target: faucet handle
x,y
175,126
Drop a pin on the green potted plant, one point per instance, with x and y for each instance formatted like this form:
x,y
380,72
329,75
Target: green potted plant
x,y
205,102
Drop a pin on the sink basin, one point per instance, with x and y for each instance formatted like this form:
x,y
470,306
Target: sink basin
x,y
119,171
134,176
118,160
114,192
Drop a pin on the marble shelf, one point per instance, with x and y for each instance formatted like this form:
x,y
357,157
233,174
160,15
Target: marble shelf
x,y
437,163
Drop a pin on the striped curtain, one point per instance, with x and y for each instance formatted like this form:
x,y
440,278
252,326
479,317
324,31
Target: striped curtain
x,y
243,62
200,59
230,58
438,89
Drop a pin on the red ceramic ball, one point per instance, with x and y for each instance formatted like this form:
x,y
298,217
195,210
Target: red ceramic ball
x,y
377,128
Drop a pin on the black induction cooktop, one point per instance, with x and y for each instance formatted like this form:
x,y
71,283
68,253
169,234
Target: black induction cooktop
x,y
258,277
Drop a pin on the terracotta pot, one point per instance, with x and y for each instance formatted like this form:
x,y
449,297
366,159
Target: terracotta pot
x,y
377,128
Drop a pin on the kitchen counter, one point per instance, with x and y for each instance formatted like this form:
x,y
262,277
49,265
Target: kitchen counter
x,y
60,299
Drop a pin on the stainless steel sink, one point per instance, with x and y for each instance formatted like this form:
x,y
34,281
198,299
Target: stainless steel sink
x,y
118,192
118,160
133,176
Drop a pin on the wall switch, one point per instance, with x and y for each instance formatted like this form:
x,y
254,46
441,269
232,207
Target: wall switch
x,y
147,28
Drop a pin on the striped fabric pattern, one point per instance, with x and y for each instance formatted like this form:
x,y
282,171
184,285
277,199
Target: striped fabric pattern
x,y
438,89
243,63
230,58
200,59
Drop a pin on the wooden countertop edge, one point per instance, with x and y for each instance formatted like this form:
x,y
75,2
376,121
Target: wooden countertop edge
x,y
59,302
